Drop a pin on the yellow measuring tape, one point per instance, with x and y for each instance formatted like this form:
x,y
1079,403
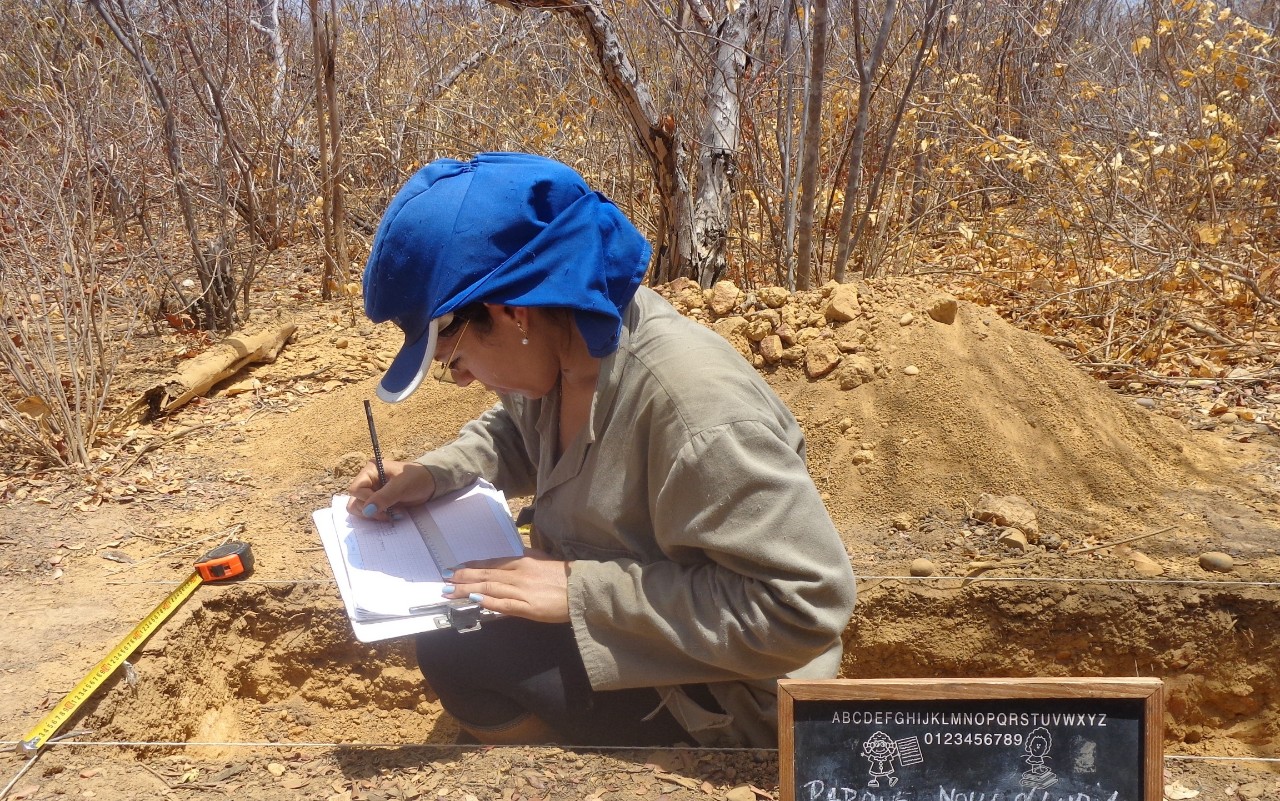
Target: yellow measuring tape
x,y
223,562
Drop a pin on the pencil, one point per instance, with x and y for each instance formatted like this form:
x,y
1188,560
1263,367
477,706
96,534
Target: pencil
x,y
377,451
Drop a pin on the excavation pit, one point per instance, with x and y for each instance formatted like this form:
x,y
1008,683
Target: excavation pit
x,y
271,663
278,663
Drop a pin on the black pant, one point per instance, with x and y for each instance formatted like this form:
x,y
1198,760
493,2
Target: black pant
x,y
514,667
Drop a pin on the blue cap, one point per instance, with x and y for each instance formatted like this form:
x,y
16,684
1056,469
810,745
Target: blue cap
x,y
507,228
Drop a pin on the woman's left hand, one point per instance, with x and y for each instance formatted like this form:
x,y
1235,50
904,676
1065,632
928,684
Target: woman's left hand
x,y
532,586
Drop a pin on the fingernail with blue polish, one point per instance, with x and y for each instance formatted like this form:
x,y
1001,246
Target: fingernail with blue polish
x,y
447,590
371,510
475,597
394,515
446,573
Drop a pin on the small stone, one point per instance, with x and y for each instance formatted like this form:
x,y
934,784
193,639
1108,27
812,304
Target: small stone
x,y
943,309
759,328
1229,418
821,356
863,457
906,319
689,299
276,769
855,371
742,792
901,522
773,296
341,343
1013,539
911,369
842,306
785,333
1179,792
922,567
723,297
771,349
845,424
1217,562
1011,511
1146,403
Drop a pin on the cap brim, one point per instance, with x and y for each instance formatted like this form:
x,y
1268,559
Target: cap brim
x,y
410,365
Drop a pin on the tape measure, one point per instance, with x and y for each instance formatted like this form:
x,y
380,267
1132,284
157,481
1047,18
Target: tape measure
x,y
228,561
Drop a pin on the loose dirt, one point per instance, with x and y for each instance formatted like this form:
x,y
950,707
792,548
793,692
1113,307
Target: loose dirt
x,y
258,690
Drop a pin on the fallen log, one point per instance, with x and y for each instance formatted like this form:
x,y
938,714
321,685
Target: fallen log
x,y
199,375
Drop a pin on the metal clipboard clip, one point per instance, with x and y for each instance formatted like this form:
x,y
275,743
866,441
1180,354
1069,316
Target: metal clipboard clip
x,y
465,616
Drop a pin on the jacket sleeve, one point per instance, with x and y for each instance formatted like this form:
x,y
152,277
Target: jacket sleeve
x,y
489,447
756,582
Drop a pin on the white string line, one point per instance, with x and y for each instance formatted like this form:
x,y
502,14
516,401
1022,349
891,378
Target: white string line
x,y
448,746
265,744
1078,580
23,772
969,579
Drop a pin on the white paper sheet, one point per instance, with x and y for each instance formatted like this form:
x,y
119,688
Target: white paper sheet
x,y
389,582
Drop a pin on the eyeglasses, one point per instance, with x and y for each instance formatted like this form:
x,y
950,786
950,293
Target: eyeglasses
x,y
444,374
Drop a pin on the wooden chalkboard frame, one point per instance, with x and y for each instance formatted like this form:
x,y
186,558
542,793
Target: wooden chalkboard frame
x,y
1148,691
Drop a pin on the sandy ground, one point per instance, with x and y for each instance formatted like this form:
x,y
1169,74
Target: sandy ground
x,y
258,690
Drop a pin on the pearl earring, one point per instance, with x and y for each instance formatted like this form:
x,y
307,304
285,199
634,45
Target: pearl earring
x,y
525,340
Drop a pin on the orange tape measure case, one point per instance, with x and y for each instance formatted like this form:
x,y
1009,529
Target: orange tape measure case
x,y
225,562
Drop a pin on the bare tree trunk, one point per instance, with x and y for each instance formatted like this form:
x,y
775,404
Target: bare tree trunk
x,y
324,38
867,69
812,146
786,132
928,128
655,133
267,23
718,150
337,166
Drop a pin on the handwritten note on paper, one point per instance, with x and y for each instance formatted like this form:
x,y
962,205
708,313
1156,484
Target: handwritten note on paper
x,y
388,573
471,526
388,565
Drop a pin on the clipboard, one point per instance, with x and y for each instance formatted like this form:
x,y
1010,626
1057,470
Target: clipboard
x,y
388,573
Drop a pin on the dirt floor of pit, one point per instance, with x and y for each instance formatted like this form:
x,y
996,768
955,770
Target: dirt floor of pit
x,y
902,460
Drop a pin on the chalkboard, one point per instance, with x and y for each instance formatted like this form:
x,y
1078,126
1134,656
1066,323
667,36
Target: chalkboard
x,y
971,740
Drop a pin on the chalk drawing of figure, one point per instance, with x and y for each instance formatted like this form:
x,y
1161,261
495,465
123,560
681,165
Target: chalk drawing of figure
x,y
1038,774
880,751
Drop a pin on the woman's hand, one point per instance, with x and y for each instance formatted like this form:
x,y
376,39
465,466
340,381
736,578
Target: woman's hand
x,y
532,586
408,483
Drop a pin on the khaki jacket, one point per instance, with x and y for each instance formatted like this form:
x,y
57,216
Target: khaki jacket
x,y
699,549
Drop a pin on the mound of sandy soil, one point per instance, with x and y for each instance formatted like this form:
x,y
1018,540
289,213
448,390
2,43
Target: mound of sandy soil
x,y
915,406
